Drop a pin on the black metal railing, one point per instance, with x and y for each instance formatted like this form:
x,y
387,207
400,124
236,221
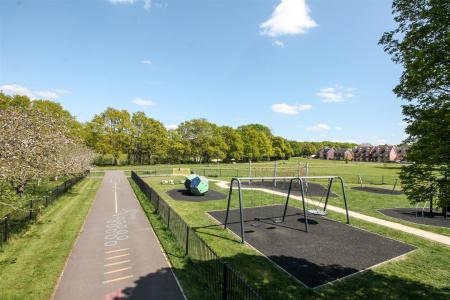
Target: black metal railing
x,y
222,280
20,217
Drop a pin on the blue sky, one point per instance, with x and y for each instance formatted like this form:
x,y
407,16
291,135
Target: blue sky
x,y
309,70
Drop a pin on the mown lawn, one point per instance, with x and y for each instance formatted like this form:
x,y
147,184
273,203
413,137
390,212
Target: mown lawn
x,y
31,262
370,172
423,273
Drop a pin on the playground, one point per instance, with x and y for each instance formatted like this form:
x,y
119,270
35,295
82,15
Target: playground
x,y
329,251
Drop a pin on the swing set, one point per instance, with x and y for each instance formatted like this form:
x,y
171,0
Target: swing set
x,y
304,191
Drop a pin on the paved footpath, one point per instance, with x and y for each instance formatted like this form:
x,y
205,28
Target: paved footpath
x,y
117,255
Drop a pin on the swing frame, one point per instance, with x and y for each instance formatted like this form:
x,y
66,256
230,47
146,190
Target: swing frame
x,y
300,180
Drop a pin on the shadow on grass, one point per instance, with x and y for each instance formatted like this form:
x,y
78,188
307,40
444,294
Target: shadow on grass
x,y
209,283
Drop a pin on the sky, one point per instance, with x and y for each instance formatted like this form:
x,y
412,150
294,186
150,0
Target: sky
x,y
311,70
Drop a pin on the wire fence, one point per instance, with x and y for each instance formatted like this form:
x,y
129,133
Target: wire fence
x,y
223,282
18,219
390,180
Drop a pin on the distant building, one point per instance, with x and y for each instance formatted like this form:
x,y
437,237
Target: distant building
x,y
362,153
326,153
384,153
344,154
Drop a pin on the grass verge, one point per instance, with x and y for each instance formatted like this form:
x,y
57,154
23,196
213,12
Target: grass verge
x,y
31,262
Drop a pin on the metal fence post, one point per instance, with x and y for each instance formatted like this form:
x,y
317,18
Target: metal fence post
x,y
187,240
168,219
31,209
225,282
5,229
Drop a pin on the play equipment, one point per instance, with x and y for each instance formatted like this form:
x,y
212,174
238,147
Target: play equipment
x,y
196,185
302,181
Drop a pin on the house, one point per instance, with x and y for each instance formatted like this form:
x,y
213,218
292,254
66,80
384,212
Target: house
x,y
384,153
344,154
362,152
326,153
330,153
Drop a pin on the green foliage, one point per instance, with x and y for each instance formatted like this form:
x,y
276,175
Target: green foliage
x,y
421,44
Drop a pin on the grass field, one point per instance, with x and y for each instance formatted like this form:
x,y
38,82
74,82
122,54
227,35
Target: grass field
x,y
372,174
369,171
31,262
423,273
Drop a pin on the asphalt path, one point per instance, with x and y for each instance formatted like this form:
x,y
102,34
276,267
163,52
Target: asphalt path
x,y
117,255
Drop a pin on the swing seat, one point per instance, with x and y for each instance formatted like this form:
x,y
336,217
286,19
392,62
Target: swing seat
x,y
317,212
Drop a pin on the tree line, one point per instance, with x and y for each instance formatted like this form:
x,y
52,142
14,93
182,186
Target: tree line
x,y
144,140
117,136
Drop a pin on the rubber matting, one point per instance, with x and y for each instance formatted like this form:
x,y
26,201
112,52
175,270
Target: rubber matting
x,y
183,195
329,251
409,214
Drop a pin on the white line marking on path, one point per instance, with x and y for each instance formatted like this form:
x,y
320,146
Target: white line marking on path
x,y
115,197
117,263
117,279
113,257
116,271
114,251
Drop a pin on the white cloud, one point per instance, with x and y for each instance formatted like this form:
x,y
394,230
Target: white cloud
x,y
289,17
335,94
16,89
318,127
46,94
148,5
279,43
287,109
146,62
171,126
338,128
121,1
143,102
62,91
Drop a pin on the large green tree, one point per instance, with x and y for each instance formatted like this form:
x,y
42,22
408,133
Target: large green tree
x,y
421,44
110,132
203,140
149,141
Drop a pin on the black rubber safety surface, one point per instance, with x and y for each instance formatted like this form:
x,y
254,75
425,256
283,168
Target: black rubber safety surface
x,y
314,189
377,190
409,214
183,195
329,251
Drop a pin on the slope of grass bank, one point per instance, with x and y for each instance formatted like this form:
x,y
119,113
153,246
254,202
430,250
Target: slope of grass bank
x,y
31,262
